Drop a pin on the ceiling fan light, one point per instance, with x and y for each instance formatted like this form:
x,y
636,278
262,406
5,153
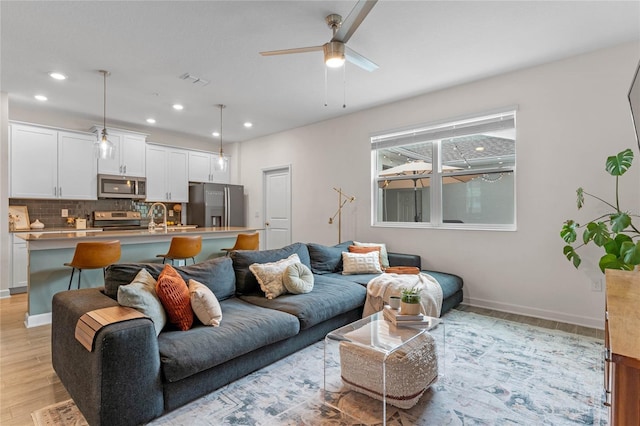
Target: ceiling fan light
x,y
334,54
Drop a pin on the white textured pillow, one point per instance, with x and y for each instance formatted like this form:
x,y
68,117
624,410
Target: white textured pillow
x,y
384,257
298,279
141,295
361,263
204,304
269,275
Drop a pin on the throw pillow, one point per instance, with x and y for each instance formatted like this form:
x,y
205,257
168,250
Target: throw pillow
x,y
298,279
325,259
383,252
269,275
141,295
205,304
361,263
174,295
366,249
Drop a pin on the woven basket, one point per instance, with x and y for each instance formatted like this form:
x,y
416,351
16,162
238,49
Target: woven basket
x,y
409,371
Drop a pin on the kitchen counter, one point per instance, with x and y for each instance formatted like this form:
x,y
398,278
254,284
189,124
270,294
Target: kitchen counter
x,y
54,230
49,251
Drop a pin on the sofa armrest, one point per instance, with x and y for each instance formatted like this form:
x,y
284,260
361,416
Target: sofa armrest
x,y
401,259
119,382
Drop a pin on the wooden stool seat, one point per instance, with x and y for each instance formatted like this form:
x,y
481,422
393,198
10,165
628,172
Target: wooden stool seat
x,y
245,242
93,255
183,248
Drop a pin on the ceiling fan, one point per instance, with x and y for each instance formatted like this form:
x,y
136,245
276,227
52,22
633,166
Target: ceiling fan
x,y
336,50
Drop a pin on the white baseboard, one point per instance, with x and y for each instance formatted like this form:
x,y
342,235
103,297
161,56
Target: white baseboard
x,y
538,313
37,320
4,293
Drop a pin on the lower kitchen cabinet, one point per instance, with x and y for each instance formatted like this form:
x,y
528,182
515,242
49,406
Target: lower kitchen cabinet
x,y
19,271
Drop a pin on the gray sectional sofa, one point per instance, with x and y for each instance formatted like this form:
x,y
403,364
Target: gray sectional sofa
x,y
133,376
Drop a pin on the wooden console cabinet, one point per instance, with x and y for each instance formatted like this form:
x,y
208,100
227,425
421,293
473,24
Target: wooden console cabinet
x,y
622,347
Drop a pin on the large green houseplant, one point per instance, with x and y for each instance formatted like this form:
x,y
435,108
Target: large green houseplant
x,y
613,231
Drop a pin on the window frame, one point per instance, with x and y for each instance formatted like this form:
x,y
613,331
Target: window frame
x,y
381,140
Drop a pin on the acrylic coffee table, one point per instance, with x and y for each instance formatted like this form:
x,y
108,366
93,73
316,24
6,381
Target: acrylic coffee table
x,y
371,365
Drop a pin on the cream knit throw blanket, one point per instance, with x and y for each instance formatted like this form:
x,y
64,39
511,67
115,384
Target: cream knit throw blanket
x,y
384,286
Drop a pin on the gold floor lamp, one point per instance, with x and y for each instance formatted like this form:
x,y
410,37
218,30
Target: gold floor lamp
x,y
342,200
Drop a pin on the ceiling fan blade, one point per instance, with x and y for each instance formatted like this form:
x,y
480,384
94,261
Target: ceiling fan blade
x,y
359,60
353,21
288,51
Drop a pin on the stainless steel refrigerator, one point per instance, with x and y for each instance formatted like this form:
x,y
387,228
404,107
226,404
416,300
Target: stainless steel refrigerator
x,y
214,204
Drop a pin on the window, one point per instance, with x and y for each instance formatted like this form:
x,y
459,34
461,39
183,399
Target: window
x,y
457,174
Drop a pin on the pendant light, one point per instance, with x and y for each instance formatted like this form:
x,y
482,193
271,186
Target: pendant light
x,y
221,164
105,149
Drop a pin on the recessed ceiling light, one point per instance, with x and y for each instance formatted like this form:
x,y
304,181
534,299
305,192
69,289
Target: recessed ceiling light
x,y
480,148
248,124
216,134
151,120
41,98
178,107
57,75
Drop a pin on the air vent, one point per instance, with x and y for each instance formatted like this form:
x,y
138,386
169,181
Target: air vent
x,y
194,79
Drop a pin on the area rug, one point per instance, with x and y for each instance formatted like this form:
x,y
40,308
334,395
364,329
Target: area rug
x,y
495,372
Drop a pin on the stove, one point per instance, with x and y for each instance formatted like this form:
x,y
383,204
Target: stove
x,y
117,220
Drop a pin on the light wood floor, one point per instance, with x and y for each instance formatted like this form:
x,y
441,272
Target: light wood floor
x,y
27,379
28,382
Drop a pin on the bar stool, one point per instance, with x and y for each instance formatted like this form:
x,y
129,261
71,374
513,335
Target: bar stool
x,y
183,248
245,242
93,255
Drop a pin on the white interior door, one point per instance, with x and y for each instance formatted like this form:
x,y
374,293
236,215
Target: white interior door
x,y
277,207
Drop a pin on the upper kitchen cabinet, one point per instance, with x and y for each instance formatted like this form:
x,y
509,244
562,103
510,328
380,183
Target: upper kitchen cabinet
x,y
129,158
47,163
167,174
201,168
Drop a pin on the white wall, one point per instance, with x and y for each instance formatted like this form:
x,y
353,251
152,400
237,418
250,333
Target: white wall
x,y
4,190
572,115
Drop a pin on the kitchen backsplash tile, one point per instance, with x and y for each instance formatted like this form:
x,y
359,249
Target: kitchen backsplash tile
x,y
49,211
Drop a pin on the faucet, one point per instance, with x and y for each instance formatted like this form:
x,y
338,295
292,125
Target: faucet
x,y
162,225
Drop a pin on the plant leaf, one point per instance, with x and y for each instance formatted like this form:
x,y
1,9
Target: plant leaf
x,y
572,256
580,197
620,222
611,261
598,232
630,253
617,165
568,231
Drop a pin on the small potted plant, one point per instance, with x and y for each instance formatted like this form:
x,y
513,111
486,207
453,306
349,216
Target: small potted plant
x,y
410,301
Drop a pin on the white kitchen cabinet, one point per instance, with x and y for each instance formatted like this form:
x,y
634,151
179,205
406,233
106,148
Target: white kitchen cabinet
x,y
129,157
167,174
201,168
46,163
19,262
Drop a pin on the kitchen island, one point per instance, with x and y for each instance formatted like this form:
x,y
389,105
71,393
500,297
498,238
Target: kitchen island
x,y
48,252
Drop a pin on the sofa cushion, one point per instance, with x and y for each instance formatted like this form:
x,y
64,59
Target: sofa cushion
x,y
246,282
141,295
450,283
325,259
204,304
269,275
174,295
330,297
217,274
298,279
245,328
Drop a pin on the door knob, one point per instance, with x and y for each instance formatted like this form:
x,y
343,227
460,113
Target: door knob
x,y
266,224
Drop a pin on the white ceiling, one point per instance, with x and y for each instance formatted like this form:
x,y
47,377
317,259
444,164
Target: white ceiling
x,y
420,46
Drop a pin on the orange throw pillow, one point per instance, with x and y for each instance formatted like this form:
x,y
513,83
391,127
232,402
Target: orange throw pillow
x,y
174,295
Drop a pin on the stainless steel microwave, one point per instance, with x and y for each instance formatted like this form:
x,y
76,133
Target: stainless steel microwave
x,y
112,186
